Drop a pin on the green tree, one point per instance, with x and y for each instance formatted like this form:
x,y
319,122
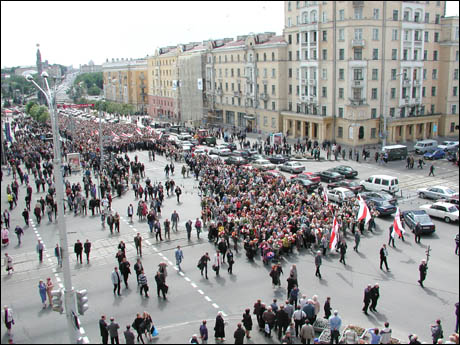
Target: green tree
x,y
94,91
29,105
34,111
43,114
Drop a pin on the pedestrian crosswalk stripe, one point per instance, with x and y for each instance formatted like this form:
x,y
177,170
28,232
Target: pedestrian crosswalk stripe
x,y
215,306
207,298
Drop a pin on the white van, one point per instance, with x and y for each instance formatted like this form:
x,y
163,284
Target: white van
x,y
425,146
379,183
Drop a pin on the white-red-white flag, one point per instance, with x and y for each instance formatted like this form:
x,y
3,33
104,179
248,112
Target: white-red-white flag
x,y
363,212
325,195
397,225
334,234
138,131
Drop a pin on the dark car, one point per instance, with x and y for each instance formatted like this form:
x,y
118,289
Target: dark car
x,y
308,176
354,186
231,146
411,218
236,160
382,196
345,170
330,176
308,184
383,207
278,159
451,200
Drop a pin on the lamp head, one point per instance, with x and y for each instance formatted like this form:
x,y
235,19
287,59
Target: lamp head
x,y
29,77
45,74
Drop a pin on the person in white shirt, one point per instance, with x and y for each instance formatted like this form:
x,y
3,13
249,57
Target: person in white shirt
x,y
385,334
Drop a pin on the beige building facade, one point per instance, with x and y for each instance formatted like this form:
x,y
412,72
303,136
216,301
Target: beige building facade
x,y
125,81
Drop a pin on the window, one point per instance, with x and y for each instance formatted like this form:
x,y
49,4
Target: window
x,y
433,91
238,72
416,51
296,40
361,132
427,36
375,74
341,92
314,57
376,13
435,55
290,39
394,54
324,54
341,54
373,113
358,34
226,86
405,54
273,56
358,54
394,34
373,133
375,34
273,90
393,74
290,72
425,55
341,35
436,21
273,106
265,121
265,73
290,106
393,93
427,17
424,91
374,93
452,126
340,129
341,14
456,74
273,72
289,6
290,56
395,14
432,109
375,54
232,72
340,113
297,55
324,35
324,73
341,73
324,110
324,16
454,109
273,122
392,112
324,92
357,74
297,90
434,75
436,36
358,13
454,91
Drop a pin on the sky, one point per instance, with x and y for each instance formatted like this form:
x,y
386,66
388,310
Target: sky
x,y
73,32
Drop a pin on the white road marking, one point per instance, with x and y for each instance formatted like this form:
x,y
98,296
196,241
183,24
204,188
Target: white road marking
x,y
207,299
215,306
200,292
187,279
193,285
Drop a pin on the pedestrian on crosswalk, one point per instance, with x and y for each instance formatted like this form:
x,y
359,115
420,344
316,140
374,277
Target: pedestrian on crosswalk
x,y
78,250
8,263
42,292
40,247
179,257
116,280
142,281
19,232
174,220
138,244
58,254
431,170
87,249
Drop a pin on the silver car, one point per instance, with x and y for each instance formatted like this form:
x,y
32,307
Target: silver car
x,y
436,192
263,164
292,167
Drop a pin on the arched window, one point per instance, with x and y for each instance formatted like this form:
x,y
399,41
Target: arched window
x,y
313,16
273,56
265,56
305,17
361,132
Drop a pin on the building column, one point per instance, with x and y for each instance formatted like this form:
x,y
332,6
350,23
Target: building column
x,y
435,134
423,130
302,129
310,130
392,134
414,132
404,129
285,128
320,133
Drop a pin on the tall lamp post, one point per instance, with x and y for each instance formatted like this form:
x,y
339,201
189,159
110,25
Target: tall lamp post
x,y
69,293
387,108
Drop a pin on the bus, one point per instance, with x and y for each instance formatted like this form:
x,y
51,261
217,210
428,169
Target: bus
x,y
395,152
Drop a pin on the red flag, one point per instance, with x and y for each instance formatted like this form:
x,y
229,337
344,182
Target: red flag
x,y
397,226
334,234
364,212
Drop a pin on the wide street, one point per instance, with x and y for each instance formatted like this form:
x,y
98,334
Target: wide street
x,y
191,298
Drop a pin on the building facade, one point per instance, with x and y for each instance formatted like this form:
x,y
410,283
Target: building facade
x,y
125,81
90,68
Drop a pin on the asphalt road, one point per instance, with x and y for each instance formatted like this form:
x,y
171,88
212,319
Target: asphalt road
x,y
408,307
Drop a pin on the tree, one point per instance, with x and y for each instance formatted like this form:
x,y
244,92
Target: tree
x,y
94,91
29,105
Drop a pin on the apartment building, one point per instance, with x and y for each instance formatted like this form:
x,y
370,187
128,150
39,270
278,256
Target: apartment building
x,y
365,69
125,81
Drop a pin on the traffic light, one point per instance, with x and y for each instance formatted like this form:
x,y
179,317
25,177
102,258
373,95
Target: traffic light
x,y
56,296
82,300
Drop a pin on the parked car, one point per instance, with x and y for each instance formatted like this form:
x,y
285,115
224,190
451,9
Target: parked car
x,y
263,164
339,194
448,145
230,146
236,160
438,154
354,186
220,151
427,145
309,185
381,196
443,210
452,200
278,159
310,176
292,167
436,192
330,176
452,156
383,207
411,218
379,183
255,157
345,170
273,173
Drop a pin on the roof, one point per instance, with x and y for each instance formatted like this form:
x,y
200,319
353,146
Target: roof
x,y
273,39
231,44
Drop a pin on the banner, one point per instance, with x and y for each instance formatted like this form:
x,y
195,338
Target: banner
x,y
77,106
73,159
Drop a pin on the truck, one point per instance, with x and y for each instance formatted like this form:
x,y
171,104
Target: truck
x,y
204,138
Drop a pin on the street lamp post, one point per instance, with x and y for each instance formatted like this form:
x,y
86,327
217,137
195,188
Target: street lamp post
x,y
385,115
69,293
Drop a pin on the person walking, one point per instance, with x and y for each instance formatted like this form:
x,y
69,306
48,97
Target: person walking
x,y
19,233
49,288
375,294
8,319
203,264
116,281
327,308
239,334
230,261
335,323
343,250
87,249
8,262
357,240
161,286
367,298
113,331
178,192
216,262
138,244
125,270
431,170
139,325
179,257
418,232
436,331
40,247
391,239
188,228
58,254
130,213
25,215
103,329
204,332
383,257
198,227
42,292
247,322
142,281
219,328
307,333
174,220
129,335
318,262
167,228
78,250
299,317
422,268
138,268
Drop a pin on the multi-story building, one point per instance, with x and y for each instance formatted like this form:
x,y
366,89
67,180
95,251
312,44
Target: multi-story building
x,y
363,69
90,68
125,81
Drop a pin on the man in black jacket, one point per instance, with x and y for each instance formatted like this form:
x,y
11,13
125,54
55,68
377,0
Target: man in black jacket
x,y
282,320
375,294
239,334
78,249
103,329
125,270
87,246
367,298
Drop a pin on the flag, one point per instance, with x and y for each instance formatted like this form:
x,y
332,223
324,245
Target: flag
x,y
397,226
334,234
364,212
113,134
325,195
96,132
138,131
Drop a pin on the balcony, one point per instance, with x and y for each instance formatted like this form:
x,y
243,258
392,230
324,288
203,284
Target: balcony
x,y
311,81
237,93
357,43
219,92
358,3
417,82
358,83
264,96
406,82
357,101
